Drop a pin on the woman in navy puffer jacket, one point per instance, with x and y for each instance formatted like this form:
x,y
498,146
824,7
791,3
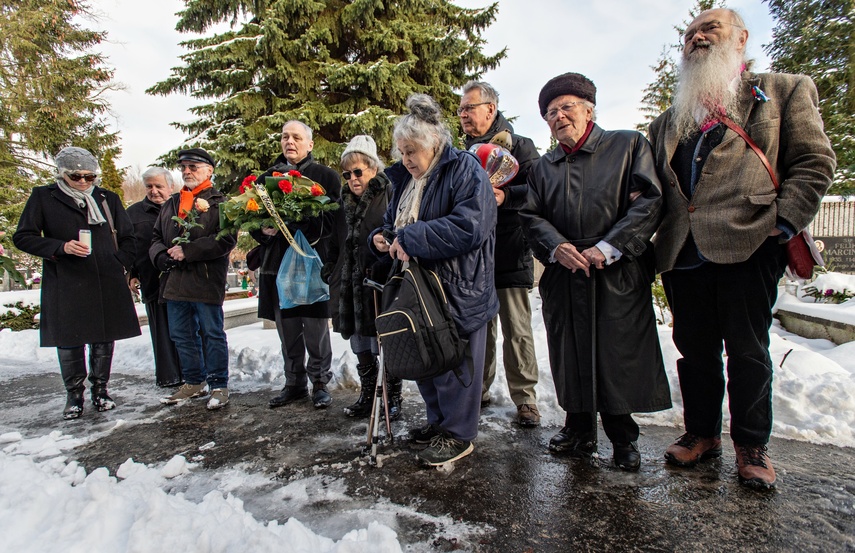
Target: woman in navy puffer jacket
x,y
443,214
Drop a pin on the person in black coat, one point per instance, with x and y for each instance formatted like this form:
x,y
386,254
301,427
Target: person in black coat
x,y
145,277
86,241
482,122
305,328
364,202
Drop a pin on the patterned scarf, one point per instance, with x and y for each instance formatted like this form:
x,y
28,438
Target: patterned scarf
x,y
411,199
83,199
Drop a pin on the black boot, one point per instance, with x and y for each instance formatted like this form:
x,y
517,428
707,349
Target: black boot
x,y
367,382
72,366
393,389
100,360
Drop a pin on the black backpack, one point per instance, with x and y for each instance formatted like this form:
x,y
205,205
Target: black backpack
x,y
417,335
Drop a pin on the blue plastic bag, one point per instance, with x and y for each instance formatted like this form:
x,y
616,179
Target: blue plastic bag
x,y
299,278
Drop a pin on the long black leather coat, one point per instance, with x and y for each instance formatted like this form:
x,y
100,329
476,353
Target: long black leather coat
x,y
584,198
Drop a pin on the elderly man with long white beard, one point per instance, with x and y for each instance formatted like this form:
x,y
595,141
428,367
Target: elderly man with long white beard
x,y
720,247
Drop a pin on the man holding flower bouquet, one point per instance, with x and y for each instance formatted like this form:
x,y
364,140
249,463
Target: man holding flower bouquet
x,y
194,264
305,328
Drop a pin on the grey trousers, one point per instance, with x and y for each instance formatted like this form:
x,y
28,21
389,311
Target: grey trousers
x,y
301,335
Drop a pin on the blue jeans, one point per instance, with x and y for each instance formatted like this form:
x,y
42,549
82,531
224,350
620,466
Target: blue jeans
x,y
197,330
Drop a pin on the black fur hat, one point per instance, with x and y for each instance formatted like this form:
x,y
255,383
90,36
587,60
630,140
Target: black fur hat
x,y
568,83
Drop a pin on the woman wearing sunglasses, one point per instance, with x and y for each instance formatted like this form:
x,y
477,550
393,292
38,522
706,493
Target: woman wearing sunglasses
x,y
86,241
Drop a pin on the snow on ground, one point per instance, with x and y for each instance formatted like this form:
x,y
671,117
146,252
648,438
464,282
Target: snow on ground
x,y
814,400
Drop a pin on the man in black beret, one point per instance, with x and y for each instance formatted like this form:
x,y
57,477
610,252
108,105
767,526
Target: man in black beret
x,y
593,204
194,265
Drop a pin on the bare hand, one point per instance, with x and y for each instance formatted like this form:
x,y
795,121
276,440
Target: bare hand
x,y
500,195
397,252
595,257
775,231
134,284
569,257
380,243
76,247
269,231
176,253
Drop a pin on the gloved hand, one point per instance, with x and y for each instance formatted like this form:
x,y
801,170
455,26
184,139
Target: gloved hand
x,y
326,271
164,263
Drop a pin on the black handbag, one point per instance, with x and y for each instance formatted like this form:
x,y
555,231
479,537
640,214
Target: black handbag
x,y
418,336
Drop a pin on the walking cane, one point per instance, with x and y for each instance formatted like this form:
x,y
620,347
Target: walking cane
x,y
380,390
593,304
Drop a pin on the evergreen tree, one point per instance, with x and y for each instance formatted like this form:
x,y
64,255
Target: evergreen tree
x,y
817,38
660,92
51,85
111,177
344,67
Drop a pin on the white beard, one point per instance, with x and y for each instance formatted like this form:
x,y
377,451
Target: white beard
x,y
707,82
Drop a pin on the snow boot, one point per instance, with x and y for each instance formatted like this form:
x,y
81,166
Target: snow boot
x,y
72,366
367,382
393,390
100,360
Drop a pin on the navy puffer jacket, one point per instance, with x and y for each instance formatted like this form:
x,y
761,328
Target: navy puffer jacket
x,y
455,234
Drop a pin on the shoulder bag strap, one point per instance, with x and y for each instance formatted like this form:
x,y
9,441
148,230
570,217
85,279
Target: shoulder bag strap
x,y
753,145
109,216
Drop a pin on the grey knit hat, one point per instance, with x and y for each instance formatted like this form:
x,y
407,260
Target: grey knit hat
x,y
569,83
75,159
365,145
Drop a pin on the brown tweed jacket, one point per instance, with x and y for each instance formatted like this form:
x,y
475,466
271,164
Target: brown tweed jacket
x,y
735,205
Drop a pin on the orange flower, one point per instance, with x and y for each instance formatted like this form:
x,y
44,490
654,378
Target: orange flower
x,y
317,190
252,205
277,174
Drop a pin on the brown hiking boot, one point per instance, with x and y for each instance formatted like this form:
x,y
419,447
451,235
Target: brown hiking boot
x,y
689,449
528,415
754,466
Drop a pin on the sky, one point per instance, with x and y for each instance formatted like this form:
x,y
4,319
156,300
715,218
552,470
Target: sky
x,y
613,42
169,506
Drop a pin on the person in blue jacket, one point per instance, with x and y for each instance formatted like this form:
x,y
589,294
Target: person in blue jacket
x,y
443,214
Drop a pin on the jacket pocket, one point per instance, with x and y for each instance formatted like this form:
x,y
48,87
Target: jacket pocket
x,y
762,199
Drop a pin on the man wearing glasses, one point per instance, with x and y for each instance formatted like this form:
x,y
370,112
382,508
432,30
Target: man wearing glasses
x,y
482,122
593,204
194,265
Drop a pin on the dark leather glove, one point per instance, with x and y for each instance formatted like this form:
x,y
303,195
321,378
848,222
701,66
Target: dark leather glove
x,y
326,271
164,263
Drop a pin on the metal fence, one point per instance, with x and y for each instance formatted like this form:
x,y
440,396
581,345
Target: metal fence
x,y
835,219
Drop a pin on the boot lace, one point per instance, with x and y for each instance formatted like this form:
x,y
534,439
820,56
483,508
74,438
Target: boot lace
x,y
442,442
754,455
688,440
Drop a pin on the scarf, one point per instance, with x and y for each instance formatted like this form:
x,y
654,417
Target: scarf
x,y
187,197
352,318
411,199
581,141
83,199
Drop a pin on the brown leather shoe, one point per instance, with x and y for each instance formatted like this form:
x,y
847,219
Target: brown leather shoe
x,y
528,415
754,466
689,449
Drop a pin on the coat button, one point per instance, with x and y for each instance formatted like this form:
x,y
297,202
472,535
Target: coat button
x,y
691,209
673,184
572,160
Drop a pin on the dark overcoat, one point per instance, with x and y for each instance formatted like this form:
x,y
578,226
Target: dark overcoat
x,y
325,233
514,266
583,198
143,215
85,300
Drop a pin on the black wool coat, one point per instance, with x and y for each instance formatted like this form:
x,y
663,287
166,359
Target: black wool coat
x,y
363,214
84,300
325,232
514,266
143,215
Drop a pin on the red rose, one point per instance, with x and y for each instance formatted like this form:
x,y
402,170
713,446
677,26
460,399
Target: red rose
x,y
248,181
285,186
317,190
294,174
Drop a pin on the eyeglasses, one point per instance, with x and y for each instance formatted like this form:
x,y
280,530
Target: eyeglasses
x,y
565,109
705,29
356,173
469,107
77,177
188,166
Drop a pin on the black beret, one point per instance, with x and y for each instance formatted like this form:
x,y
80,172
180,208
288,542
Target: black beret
x,y
196,154
568,83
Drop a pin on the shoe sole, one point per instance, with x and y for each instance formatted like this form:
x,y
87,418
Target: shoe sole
x,y
629,468
216,407
528,424
709,454
757,484
71,416
167,401
274,404
321,405
102,408
459,456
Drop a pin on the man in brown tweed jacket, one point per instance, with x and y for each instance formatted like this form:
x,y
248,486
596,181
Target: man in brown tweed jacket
x,y
720,246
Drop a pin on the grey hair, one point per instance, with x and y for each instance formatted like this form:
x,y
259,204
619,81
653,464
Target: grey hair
x,y
423,125
488,93
306,127
159,172
737,18
354,157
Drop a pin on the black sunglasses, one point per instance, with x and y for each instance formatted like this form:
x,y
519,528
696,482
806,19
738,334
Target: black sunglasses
x,y
356,173
77,177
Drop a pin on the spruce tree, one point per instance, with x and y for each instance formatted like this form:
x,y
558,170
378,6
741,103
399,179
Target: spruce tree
x,y
344,67
659,94
112,177
51,85
817,38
